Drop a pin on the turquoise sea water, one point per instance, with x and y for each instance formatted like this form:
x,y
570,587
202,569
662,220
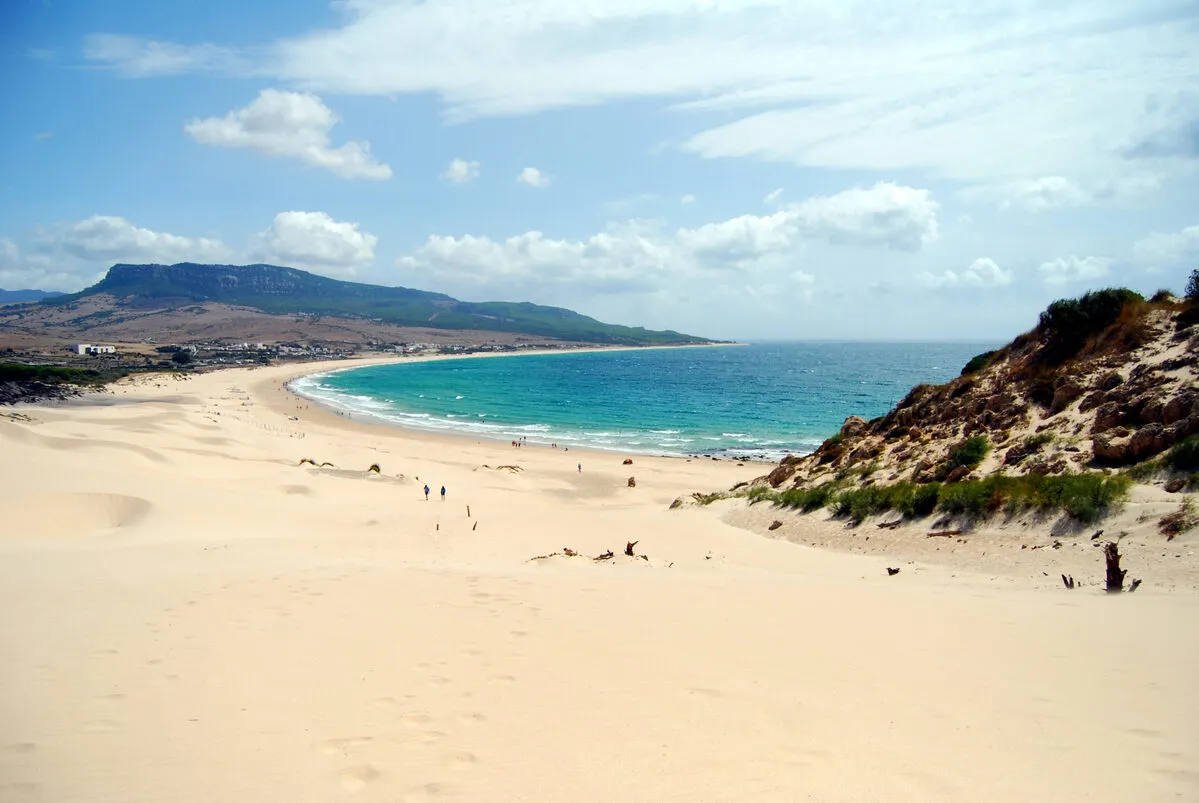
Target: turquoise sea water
x,y
757,402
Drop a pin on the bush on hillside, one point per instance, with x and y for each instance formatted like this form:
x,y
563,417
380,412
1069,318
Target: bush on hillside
x,y
1067,324
1184,455
968,453
978,362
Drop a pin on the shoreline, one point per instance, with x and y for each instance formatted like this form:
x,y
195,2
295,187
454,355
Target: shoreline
x,y
337,366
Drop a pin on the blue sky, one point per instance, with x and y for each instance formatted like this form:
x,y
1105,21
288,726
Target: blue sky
x,y
733,168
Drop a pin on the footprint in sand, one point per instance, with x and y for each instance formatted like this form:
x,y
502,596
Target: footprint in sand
x,y
415,720
462,760
343,746
355,779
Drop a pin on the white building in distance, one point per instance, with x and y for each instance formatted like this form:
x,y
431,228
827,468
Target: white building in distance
x,y
91,350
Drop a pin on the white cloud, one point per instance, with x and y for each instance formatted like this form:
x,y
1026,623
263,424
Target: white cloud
x,y
316,241
1065,270
533,177
70,255
20,271
687,199
291,124
887,214
772,196
638,256
1047,192
982,272
1033,89
461,171
102,238
141,58
1168,250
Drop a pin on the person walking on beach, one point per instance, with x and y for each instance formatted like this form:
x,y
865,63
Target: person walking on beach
x,y
580,468
443,493
426,493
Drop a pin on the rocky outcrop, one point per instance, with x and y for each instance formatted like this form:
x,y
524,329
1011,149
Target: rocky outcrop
x,y
1128,394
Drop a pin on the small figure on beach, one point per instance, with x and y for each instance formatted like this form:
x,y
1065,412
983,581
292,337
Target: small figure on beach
x,y
427,493
443,493
580,468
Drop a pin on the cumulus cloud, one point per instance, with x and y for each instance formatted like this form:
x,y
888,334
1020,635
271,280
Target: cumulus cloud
x,y
1071,269
982,272
290,124
68,256
316,241
903,218
39,271
141,58
460,171
638,255
102,238
533,177
1168,250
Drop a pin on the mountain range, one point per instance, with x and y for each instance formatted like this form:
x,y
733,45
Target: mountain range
x,y
19,296
163,296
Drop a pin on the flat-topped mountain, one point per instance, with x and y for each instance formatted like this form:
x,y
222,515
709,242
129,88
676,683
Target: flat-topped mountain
x,y
278,290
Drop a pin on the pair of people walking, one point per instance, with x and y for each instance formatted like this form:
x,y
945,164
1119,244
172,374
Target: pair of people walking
x,y
427,493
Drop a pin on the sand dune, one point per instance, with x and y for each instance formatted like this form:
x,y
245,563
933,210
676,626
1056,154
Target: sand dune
x,y
232,625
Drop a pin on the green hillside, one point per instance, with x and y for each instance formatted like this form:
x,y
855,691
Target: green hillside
x,y
280,290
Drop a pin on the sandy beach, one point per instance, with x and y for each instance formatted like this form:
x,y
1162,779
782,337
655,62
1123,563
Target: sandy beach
x,y
187,613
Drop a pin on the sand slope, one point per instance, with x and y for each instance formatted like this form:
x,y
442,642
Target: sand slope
x,y
187,614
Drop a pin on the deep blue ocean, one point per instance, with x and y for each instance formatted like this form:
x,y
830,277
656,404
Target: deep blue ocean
x,y
758,402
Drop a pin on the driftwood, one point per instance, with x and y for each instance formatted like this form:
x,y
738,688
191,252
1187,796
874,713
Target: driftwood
x,y
892,572
890,525
1068,582
1115,575
944,534
628,548
568,552
472,529
774,525
374,468
632,482
604,556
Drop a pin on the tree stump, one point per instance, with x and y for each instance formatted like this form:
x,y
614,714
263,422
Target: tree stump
x,y
632,482
1115,575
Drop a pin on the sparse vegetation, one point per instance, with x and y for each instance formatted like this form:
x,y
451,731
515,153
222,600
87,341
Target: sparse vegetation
x,y
1067,324
1181,520
1184,455
54,374
968,453
1084,497
978,362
